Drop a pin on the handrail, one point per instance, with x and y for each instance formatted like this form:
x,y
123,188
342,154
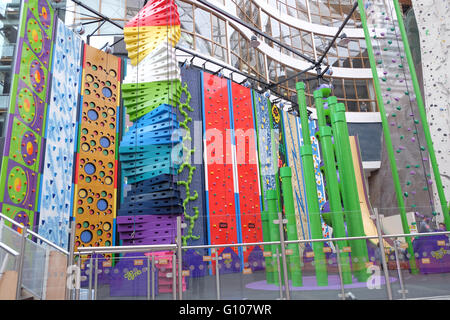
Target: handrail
x,y
34,234
9,249
124,249
144,248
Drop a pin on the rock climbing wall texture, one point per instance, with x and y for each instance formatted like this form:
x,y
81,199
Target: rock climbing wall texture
x,y
266,152
56,202
151,154
95,180
280,147
191,179
220,180
157,24
434,31
24,137
246,170
404,122
294,161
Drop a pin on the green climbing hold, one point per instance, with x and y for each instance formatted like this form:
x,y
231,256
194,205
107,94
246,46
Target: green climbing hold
x,y
408,183
406,194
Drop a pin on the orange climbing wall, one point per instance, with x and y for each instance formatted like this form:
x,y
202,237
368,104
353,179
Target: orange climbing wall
x,y
218,158
246,166
96,159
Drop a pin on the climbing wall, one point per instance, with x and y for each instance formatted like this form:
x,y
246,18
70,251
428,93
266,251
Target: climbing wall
x,y
96,171
293,138
280,147
404,122
265,145
191,178
151,152
24,135
434,31
220,181
56,199
246,171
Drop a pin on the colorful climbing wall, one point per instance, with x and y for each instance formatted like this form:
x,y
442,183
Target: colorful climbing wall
x,y
404,122
24,137
156,26
56,199
265,145
293,137
434,31
191,179
151,152
247,175
219,174
96,171
280,147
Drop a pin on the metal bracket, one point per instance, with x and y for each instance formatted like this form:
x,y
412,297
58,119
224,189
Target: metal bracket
x,y
284,221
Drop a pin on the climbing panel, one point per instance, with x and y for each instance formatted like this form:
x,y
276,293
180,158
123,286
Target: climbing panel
x,y
97,148
24,135
294,161
220,182
248,186
56,202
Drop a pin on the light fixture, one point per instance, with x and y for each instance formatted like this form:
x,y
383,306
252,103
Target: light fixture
x,y
254,42
343,40
80,29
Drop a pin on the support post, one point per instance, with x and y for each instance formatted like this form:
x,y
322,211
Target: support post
x,y
266,237
283,256
311,190
294,260
273,231
423,116
383,255
332,185
387,137
180,259
23,245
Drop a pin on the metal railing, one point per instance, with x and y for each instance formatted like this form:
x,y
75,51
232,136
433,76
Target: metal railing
x,y
21,255
280,257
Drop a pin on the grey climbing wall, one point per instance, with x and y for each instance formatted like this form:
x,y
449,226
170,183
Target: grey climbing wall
x,y
434,32
405,127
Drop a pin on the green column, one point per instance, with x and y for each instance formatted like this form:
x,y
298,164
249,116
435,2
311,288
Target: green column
x,y
349,193
311,189
295,269
387,137
334,197
266,238
274,232
423,116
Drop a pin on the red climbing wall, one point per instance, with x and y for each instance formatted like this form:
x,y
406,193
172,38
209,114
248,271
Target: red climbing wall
x,y
219,167
246,165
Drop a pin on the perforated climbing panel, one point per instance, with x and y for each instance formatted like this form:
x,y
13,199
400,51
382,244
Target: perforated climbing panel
x,y
96,160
